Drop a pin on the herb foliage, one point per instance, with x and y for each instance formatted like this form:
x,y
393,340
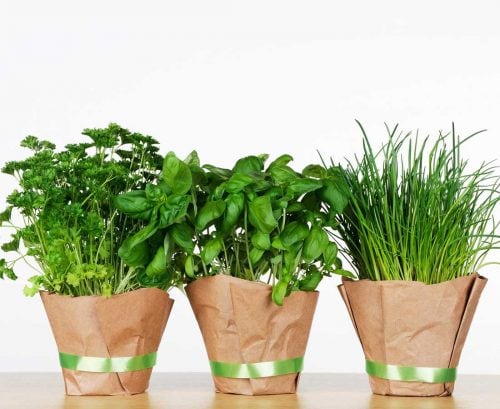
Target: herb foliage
x,y
250,221
416,211
70,226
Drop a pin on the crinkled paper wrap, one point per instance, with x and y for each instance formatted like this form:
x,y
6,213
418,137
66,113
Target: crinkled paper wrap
x,y
412,324
240,323
127,324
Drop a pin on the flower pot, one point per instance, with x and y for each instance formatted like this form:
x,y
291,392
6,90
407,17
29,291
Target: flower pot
x,y
107,346
412,334
255,347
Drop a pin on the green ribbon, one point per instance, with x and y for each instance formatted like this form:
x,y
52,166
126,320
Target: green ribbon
x,y
410,373
116,364
257,369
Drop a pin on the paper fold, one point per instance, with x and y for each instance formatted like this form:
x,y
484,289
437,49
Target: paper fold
x,y
240,324
412,324
127,324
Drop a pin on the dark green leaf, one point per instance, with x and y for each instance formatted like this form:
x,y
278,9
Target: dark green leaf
x,y
280,161
182,234
134,256
235,203
311,280
261,214
220,172
330,254
300,186
5,215
249,165
334,196
173,210
238,182
283,174
294,232
314,244
158,265
208,213
315,171
134,204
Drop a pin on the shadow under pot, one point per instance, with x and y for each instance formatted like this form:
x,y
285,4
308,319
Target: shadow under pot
x,y
412,333
107,346
254,346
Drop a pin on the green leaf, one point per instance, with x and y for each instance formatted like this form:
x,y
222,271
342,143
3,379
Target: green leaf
x,y
183,236
283,174
261,214
294,232
211,250
277,244
344,273
208,213
12,245
282,160
300,186
134,204
315,171
134,251
173,210
157,266
189,266
134,256
249,165
314,244
192,159
261,241
235,203
311,280
330,254
5,215
334,197
219,172
5,270
31,291
279,292
177,174
255,255
238,182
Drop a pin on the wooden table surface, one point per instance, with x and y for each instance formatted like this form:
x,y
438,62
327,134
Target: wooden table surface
x,y
195,391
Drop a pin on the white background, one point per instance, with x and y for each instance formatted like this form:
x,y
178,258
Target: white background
x,y
231,78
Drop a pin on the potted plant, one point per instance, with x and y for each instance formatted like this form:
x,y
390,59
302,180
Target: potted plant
x,y
106,322
417,228
252,246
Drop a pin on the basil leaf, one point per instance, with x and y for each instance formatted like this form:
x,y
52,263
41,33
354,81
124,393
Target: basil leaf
x,y
261,214
249,165
314,244
177,174
208,213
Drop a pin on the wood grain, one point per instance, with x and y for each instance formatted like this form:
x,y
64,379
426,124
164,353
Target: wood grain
x,y
195,391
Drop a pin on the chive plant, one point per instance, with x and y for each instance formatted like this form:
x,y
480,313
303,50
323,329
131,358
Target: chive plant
x,y
416,211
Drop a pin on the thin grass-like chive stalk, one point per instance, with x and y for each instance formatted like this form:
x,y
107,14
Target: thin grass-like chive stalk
x,y
416,212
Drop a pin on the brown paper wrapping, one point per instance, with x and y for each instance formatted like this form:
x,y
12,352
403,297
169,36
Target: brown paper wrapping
x,y
240,323
412,324
127,324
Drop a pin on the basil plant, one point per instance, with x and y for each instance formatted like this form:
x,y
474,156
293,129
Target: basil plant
x,y
256,222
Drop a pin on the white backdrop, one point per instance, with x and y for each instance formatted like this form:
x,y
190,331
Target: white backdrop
x,y
231,78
